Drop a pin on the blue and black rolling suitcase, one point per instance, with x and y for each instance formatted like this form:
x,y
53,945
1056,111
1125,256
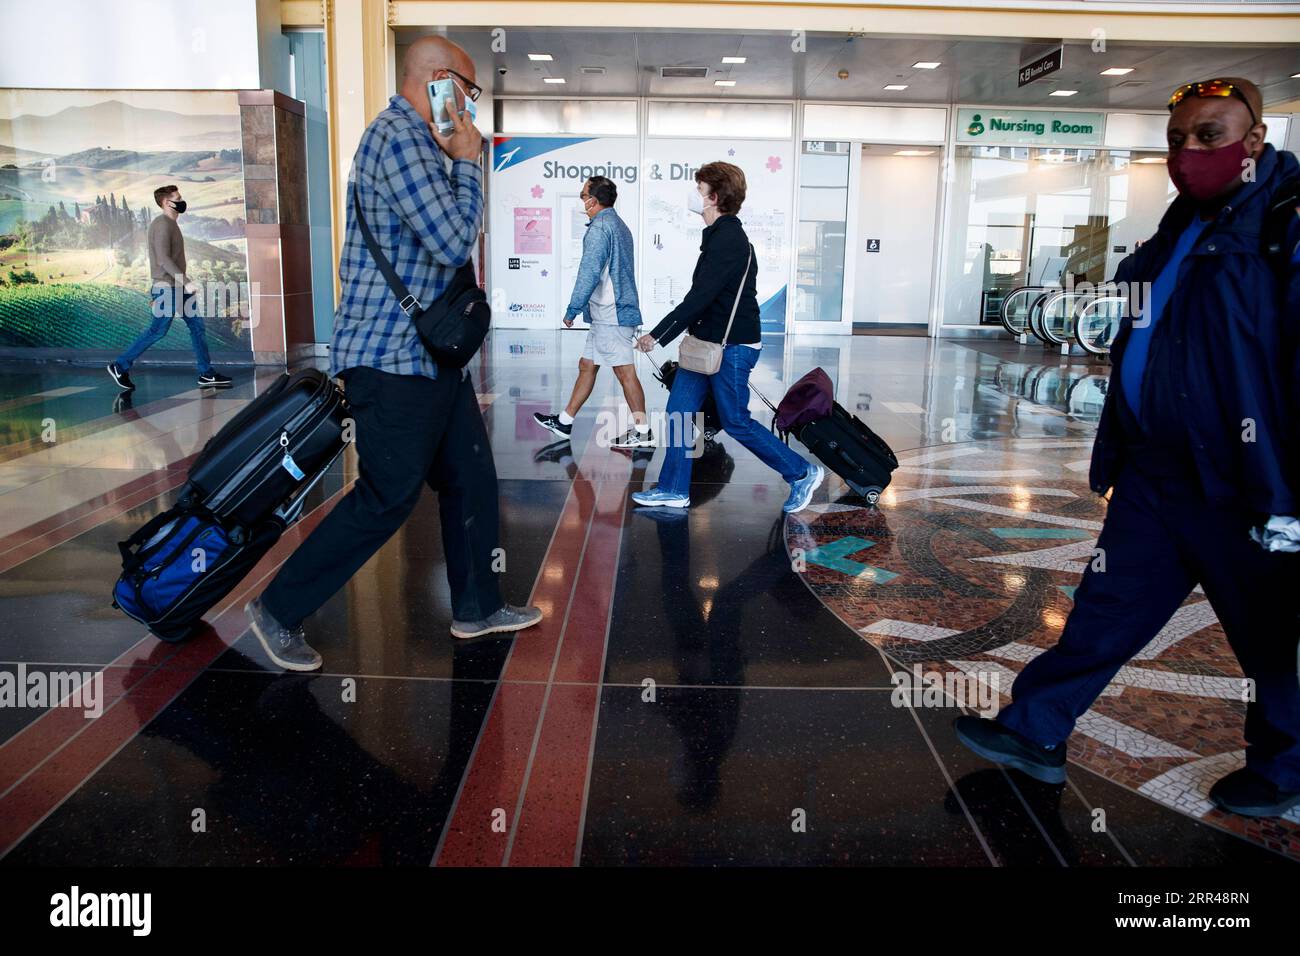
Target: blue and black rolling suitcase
x,y
246,487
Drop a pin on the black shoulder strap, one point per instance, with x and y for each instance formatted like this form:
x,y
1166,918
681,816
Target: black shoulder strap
x,y
405,300
464,276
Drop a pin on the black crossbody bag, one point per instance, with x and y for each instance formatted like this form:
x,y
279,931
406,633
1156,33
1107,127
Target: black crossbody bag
x,y
453,327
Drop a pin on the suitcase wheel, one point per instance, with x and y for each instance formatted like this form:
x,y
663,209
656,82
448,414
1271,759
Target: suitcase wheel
x,y
869,493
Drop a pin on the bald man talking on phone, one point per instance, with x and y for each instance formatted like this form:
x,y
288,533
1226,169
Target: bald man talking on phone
x,y
416,423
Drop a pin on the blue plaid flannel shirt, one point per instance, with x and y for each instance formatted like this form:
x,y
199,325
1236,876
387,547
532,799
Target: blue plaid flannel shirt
x,y
426,221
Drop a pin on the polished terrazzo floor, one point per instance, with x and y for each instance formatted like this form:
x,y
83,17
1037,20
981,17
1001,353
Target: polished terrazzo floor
x,y
711,688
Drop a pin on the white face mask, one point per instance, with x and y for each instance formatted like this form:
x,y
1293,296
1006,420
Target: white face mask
x,y
695,202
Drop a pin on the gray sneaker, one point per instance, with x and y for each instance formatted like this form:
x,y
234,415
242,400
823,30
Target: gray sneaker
x,y
508,618
288,648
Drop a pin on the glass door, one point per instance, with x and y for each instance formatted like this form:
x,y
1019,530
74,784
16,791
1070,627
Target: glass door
x,y
824,169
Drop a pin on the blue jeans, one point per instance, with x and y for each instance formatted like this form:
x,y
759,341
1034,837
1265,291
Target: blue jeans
x,y
1160,539
163,302
730,386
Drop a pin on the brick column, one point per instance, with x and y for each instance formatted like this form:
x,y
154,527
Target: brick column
x,y
275,203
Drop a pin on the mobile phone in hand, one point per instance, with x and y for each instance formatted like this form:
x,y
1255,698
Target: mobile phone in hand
x,y
439,92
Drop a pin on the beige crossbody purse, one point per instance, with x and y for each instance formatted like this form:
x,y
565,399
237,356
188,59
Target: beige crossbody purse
x,y
696,354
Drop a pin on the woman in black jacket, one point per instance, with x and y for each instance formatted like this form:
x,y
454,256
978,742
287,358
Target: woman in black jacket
x,y
725,258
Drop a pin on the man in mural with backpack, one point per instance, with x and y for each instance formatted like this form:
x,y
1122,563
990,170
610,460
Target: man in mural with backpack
x,y
1199,448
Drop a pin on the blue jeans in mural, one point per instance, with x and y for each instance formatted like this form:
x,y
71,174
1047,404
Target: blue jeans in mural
x,y
163,307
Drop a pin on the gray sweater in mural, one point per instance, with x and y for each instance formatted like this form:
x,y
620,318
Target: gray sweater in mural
x,y
166,252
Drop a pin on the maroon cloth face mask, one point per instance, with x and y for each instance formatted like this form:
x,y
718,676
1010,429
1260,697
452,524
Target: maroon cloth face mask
x,y
1203,173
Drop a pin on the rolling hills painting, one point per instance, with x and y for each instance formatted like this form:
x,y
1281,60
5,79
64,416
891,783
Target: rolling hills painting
x,y
77,175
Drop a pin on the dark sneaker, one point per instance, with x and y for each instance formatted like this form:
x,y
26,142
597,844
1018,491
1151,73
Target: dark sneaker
x,y
214,380
120,377
635,439
552,423
1002,745
801,491
554,452
122,402
509,618
665,515
288,648
1249,794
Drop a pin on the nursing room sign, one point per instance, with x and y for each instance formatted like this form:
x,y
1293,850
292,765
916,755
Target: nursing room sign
x,y
537,223
1000,127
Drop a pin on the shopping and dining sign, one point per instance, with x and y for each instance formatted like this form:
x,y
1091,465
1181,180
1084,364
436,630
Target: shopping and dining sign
x,y
1029,127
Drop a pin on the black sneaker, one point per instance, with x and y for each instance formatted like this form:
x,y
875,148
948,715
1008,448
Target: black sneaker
x,y
1249,794
1003,745
214,380
120,377
552,423
556,451
508,618
288,648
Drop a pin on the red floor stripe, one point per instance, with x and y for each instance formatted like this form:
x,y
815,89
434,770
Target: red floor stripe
x,y
70,762
531,760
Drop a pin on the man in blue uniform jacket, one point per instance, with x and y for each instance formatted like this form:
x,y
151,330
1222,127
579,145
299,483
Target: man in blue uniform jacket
x,y
1199,445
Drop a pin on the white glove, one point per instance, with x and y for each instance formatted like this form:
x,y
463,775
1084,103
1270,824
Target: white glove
x,y
1279,534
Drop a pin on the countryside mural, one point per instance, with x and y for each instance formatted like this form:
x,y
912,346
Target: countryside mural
x,y
77,175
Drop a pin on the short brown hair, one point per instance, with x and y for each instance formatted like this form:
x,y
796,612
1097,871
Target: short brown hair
x,y
726,182
162,192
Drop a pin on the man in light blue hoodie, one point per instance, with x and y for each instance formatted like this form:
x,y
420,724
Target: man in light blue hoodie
x,y
606,292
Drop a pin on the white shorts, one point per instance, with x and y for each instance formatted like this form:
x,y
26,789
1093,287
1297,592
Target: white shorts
x,y
609,344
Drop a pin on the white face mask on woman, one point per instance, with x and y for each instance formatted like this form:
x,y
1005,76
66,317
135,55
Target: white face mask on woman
x,y
695,202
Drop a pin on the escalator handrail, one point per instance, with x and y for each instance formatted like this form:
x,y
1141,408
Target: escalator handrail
x,y
1036,314
1046,302
1002,310
1082,307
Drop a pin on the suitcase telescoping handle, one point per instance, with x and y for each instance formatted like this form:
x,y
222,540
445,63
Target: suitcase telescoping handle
x,y
784,436
291,510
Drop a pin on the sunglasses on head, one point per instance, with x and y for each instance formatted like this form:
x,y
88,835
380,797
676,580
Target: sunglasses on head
x,y
1208,89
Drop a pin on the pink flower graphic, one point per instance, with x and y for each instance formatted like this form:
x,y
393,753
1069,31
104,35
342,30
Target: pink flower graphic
x,y
773,163
537,192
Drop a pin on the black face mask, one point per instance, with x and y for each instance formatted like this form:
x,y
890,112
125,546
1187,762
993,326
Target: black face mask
x,y
178,205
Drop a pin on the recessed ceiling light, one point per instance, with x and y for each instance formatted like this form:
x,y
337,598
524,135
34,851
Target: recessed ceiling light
x,y
914,152
724,82
1295,76
733,59
1150,159
540,56
1063,92
896,86
552,79
1117,71
926,65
